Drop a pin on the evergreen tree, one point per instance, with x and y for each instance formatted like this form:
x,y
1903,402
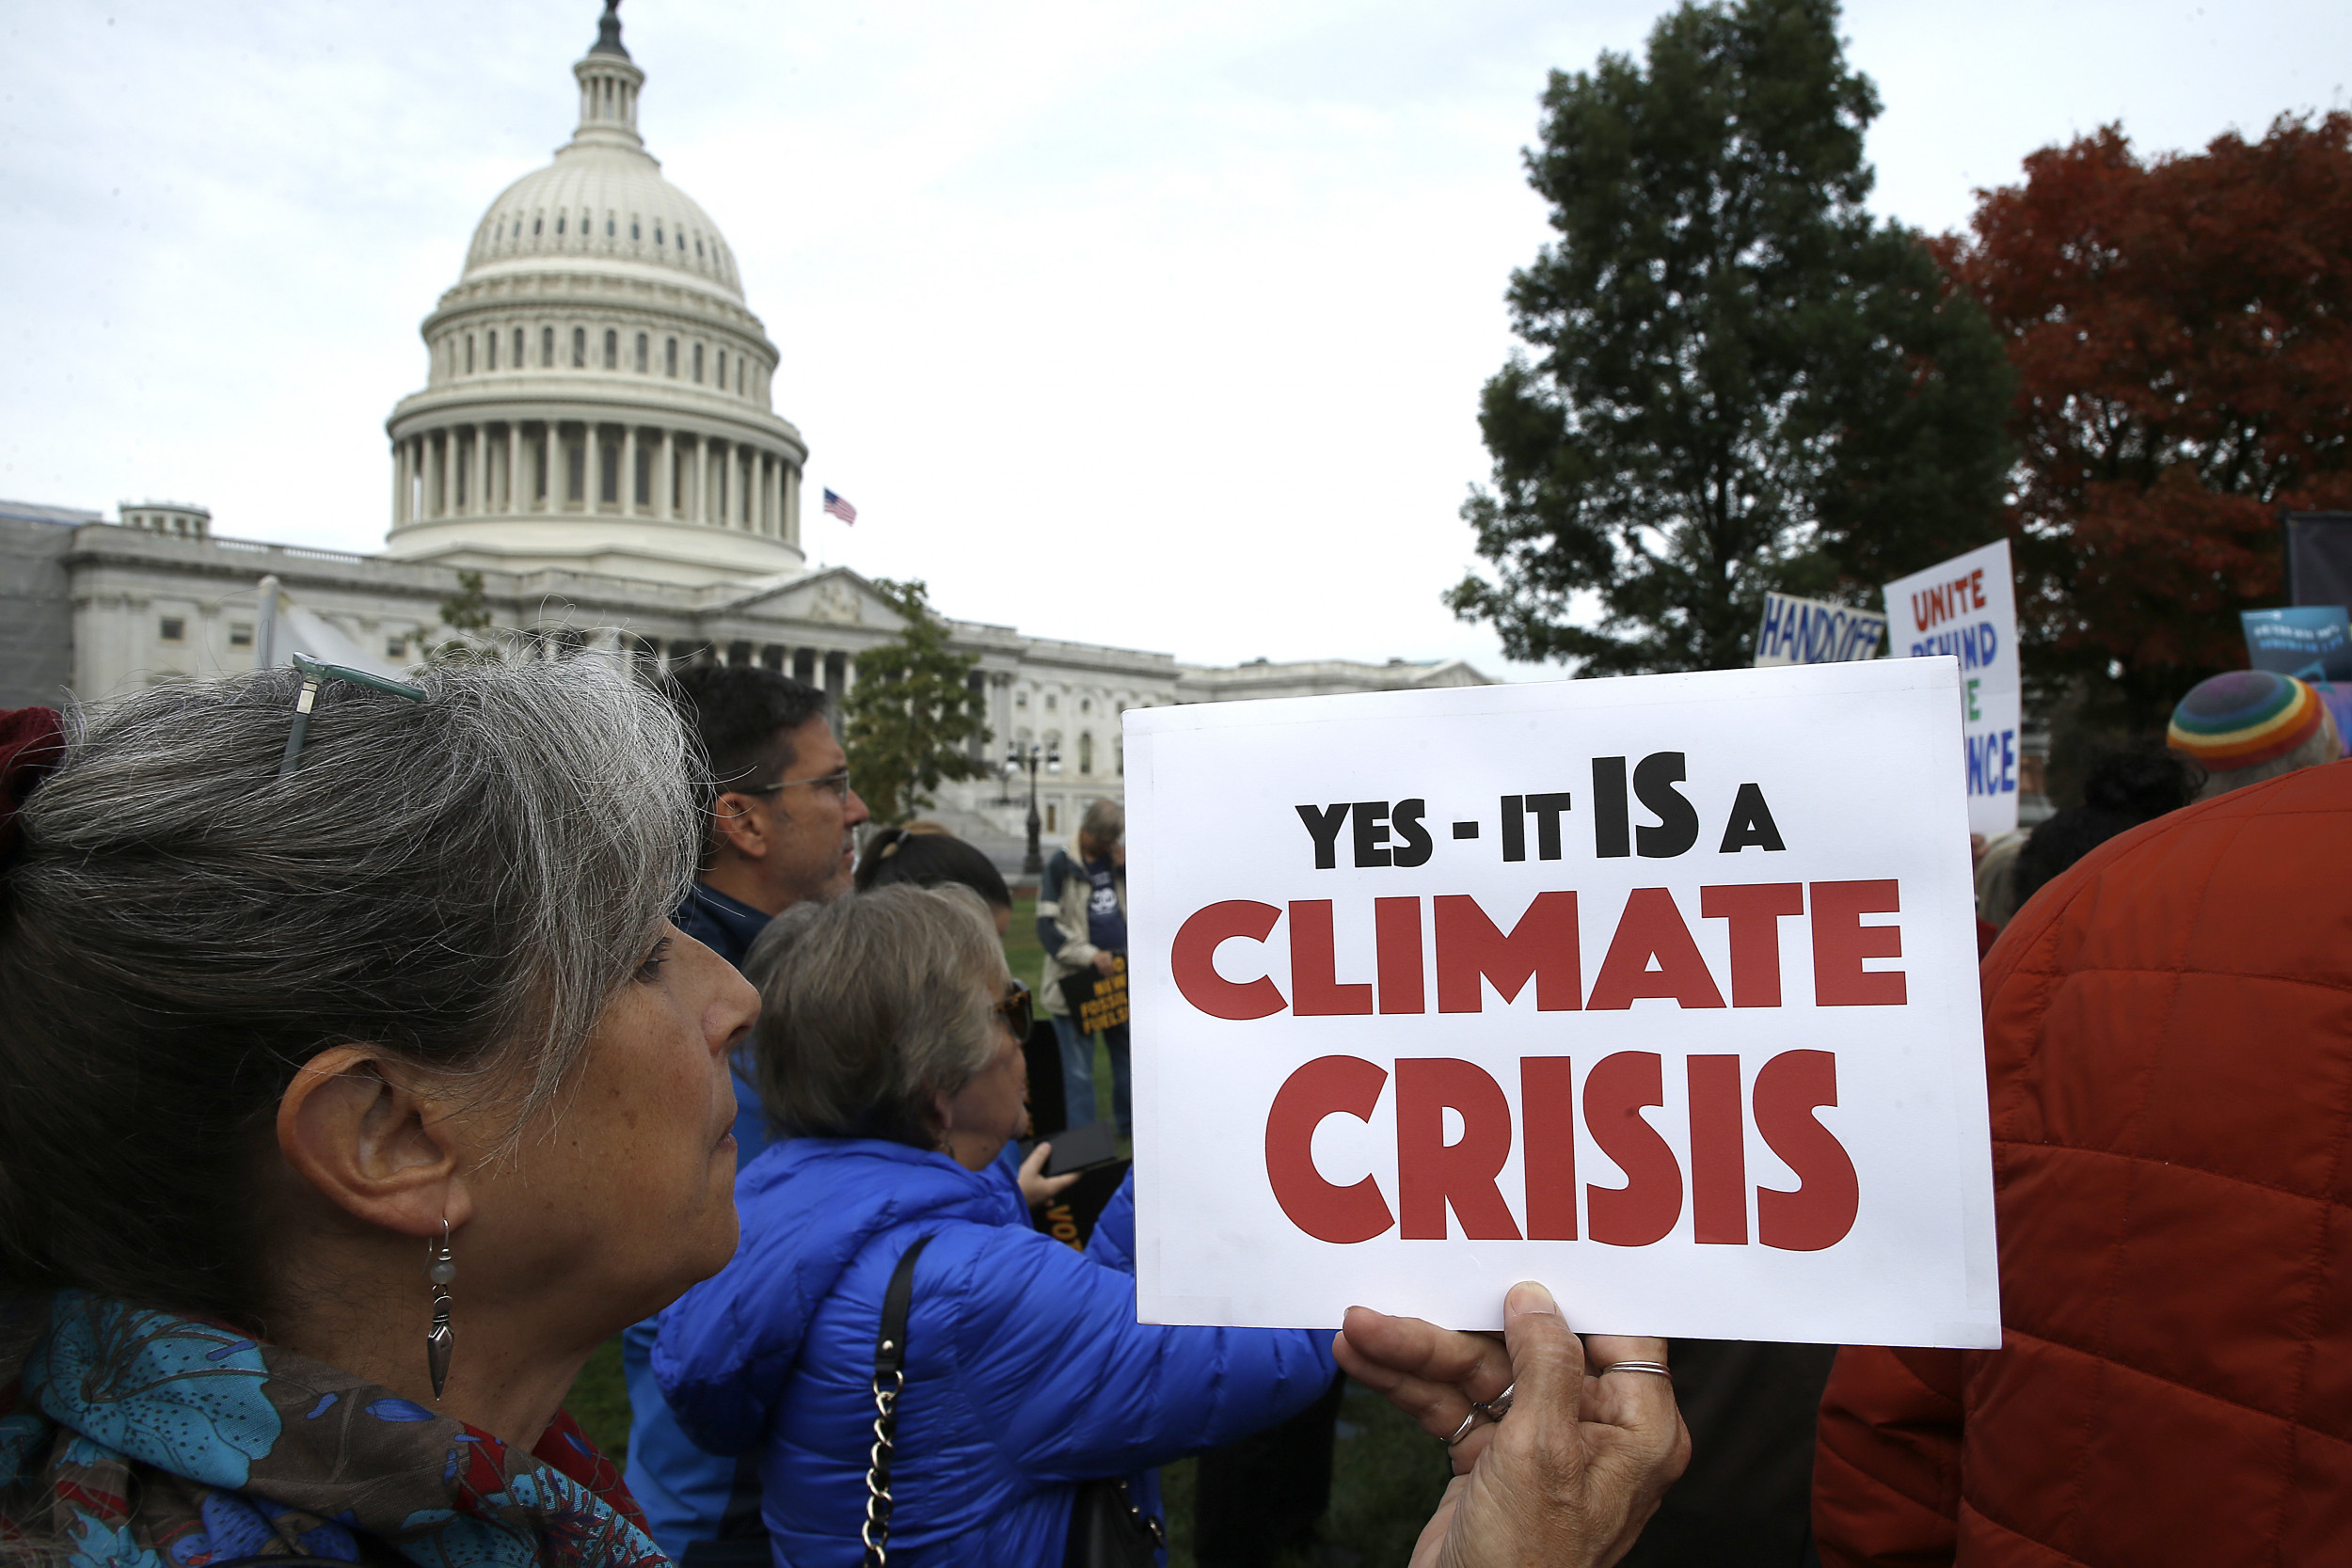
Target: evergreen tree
x,y
909,721
1738,379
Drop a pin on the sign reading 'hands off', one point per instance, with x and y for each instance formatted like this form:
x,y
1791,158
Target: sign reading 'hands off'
x,y
1661,991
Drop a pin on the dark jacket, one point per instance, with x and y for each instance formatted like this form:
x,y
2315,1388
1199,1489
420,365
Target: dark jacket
x,y
1026,1370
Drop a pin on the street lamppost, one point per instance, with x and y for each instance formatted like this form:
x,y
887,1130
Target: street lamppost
x,y
1050,754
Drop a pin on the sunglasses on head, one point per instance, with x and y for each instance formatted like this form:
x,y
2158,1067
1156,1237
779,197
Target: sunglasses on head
x,y
1016,1011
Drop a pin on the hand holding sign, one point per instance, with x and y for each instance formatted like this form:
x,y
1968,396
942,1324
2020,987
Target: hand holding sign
x,y
1576,1467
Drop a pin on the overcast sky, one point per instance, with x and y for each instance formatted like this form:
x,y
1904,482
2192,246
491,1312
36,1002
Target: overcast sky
x,y
1149,324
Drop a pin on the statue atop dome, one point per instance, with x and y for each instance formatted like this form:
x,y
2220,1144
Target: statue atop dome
x,y
608,31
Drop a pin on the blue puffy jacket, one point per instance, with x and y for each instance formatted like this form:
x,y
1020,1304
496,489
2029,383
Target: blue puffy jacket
x,y
1026,1370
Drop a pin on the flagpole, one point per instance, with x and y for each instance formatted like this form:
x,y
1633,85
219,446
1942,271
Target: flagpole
x,y
265,641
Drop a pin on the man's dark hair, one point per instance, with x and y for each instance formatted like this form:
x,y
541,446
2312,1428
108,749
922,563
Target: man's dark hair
x,y
744,715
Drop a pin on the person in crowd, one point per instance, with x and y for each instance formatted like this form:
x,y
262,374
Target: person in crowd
x,y
782,827
783,816
2248,725
402,983
1996,882
2122,790
1081,925
1264,1497
1746,1499
924,854
890,1060
357,1089
2169,1042
927,855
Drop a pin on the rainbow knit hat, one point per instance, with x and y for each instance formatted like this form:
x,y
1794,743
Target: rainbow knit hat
x,y
2245,717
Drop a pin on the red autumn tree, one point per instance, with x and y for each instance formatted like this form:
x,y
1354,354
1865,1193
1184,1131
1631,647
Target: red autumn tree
x,y
2182,332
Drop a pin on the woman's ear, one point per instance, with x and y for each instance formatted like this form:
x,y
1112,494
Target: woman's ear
x,y
354,1126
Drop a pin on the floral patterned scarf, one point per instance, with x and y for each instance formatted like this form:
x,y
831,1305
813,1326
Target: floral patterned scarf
x,y
140,1439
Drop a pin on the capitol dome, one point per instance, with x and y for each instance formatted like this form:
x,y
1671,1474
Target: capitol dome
x,y
597,397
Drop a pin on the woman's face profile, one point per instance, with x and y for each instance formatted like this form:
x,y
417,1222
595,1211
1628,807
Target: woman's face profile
x,y
622,1193
993,1109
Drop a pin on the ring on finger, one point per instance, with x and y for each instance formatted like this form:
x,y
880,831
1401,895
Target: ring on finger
x,y
1468,1422
1494,1408
1656,1368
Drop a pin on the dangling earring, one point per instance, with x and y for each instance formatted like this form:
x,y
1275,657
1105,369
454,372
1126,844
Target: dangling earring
x,y
441,1270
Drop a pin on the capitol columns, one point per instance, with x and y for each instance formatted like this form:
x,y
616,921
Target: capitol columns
x,y
628,487
513,465
665,492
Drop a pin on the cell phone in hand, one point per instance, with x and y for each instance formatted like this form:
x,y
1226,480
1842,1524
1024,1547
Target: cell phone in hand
x,y
1083,1148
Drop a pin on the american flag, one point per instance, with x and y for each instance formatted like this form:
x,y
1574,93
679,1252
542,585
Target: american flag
x,y
841,508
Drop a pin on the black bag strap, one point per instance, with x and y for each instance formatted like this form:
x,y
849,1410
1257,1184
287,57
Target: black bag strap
x,y
744,1519
890,1378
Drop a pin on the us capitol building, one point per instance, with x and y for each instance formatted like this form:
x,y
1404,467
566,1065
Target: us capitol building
x,y
595,437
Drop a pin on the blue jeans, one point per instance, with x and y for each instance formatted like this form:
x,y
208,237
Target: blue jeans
x,y
1077,1073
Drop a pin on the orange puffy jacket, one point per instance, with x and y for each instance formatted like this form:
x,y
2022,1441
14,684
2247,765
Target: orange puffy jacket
x,y
2169,1040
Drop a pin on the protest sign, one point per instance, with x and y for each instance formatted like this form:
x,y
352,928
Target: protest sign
x,y
1661,990
1967,608
2312,642
1814,631
1097,1001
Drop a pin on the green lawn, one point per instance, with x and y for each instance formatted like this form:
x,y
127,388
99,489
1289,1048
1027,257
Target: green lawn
x,y
1020,949
1387,1473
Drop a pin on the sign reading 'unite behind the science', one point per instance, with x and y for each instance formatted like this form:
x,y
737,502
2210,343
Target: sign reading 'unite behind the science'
x,y
1661,991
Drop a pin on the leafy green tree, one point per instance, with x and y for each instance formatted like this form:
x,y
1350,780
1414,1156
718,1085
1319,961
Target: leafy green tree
x,y
909,721
466,612
1736,378
469,608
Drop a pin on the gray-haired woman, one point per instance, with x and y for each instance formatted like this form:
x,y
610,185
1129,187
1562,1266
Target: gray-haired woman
x,y
352,1091
890,1061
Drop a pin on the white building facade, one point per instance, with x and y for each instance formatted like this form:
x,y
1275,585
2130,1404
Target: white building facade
x,y
595,438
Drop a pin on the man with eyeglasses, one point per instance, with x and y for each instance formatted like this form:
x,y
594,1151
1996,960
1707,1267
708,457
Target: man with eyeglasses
x,y
783,827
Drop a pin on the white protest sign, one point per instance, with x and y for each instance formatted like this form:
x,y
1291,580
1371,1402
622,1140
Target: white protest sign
x,y
1661,991
1814,631
1967,608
